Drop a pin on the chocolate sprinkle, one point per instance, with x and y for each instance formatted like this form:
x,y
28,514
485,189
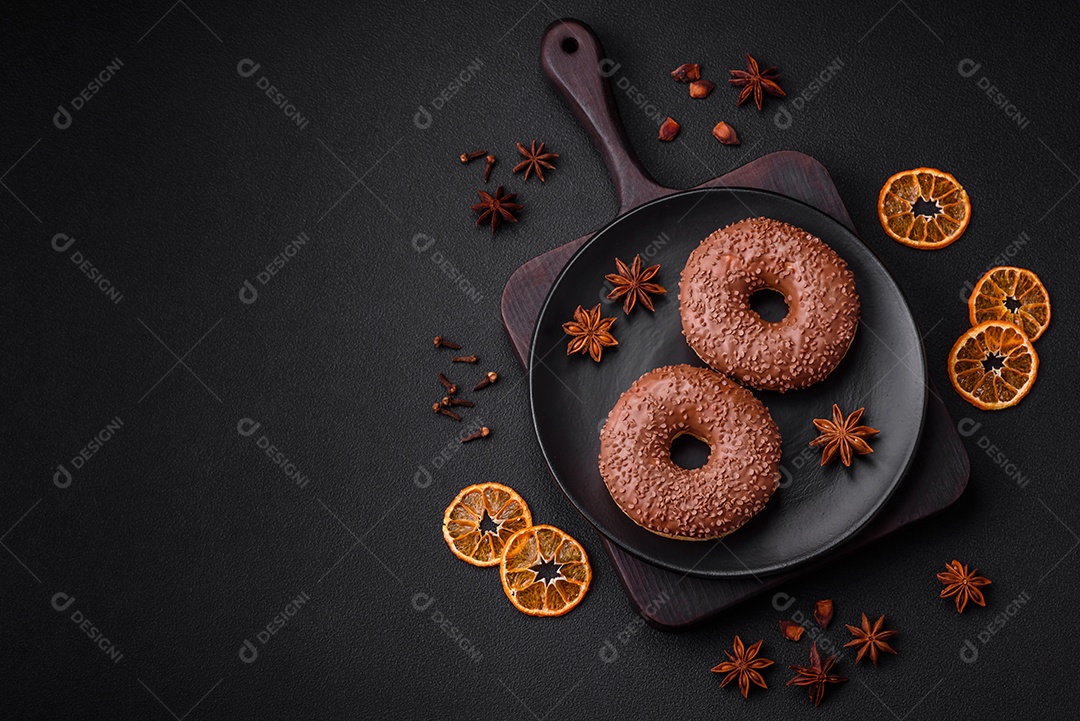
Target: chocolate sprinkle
x,y
750,255
700,504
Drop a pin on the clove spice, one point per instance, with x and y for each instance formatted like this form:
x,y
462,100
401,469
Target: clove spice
x,y
467,157
451,388
441,342
489,378
489,163
482,433
439,408
464,359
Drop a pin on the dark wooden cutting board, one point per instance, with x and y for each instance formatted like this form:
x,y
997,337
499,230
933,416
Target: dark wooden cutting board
x,y
937,477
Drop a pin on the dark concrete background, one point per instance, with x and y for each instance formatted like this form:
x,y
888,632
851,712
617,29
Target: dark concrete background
x,y
180,539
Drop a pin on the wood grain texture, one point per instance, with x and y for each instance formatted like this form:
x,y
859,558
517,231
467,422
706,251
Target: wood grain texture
x,y
573,61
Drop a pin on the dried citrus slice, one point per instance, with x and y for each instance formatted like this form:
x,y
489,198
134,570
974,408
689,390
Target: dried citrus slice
x,y
1011,294
896,206
544,571
478,523
993,365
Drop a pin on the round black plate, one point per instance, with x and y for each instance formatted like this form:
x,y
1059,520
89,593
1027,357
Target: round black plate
x,y
815,508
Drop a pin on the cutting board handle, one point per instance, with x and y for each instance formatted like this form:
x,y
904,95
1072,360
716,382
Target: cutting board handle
x,y
574,61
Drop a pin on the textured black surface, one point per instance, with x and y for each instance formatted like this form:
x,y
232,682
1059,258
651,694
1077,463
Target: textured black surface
x,y
180,538
817,508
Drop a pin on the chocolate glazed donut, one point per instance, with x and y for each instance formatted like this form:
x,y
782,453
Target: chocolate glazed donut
x,y
750,255
700,504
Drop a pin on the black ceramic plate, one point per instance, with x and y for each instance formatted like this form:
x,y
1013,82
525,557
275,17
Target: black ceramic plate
x,y
815,508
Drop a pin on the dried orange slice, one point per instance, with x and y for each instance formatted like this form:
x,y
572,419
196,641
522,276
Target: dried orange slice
x,y
993,365
896,205
1011,294
544,571
479,522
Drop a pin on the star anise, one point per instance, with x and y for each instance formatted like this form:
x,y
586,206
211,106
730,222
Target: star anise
x,y
753,81
535,160
962,584
870,639
590,333
633,283
842,436
743,665
816,675
497,207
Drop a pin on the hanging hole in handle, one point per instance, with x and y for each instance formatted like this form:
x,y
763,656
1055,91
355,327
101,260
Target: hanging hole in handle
x,y
569,45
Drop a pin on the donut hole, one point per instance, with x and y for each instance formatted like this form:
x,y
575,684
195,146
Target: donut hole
x,y
769,304
689,452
